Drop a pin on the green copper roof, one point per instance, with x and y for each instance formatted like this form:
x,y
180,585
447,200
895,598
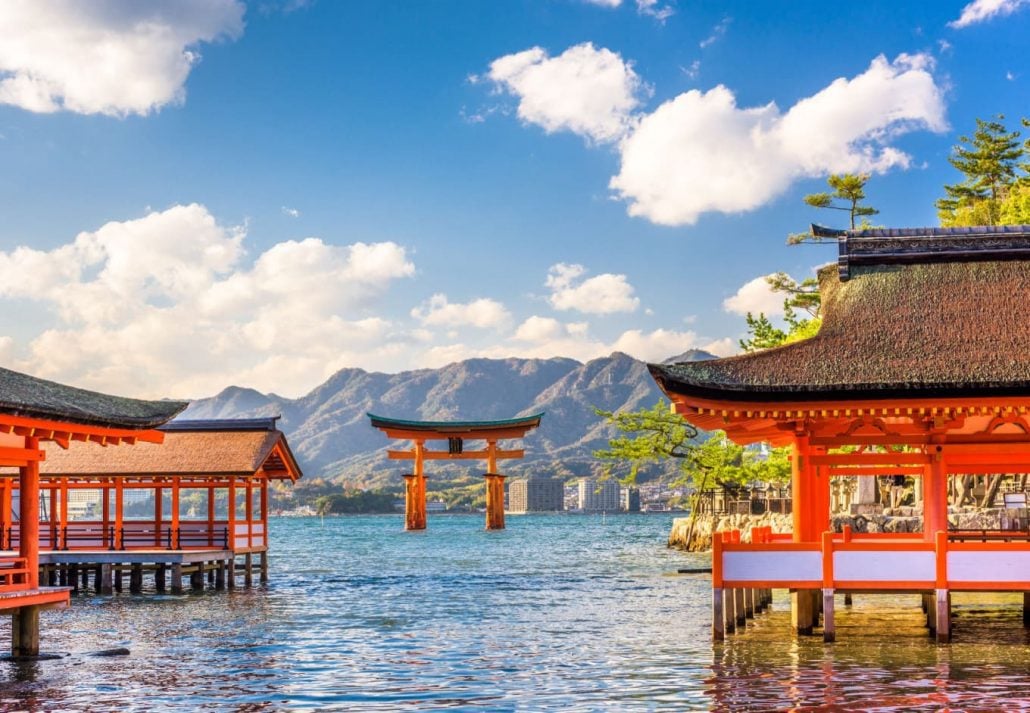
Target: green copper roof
x,y
529,421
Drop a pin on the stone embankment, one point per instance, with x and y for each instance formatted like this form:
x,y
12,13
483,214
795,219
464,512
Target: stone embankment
x,y
904,519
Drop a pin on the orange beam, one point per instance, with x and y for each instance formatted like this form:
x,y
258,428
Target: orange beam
x,y
464,455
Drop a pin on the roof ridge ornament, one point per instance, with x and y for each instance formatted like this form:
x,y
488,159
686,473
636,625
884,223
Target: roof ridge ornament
x,y
899,246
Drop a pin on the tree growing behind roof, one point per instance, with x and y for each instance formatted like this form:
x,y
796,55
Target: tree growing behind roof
x,y
847,195
656,434
990,160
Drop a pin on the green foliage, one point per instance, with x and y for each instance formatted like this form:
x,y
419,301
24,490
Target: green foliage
x,y
800,297
761,334
1015,208
989,160
847,195
651,436
657,434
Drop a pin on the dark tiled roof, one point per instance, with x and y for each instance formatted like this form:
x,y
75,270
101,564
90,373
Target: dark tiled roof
x,y
222,424
206,452
24,395
941,328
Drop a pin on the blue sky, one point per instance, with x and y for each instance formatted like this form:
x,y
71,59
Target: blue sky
x,y
197,194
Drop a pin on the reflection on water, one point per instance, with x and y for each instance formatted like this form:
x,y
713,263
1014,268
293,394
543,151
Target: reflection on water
x,y
556,612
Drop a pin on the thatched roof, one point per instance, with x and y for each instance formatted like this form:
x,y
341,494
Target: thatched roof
x,y
24,395
936,322
191,448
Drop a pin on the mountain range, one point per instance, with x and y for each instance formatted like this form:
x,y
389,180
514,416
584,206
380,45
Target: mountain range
x,y
329,431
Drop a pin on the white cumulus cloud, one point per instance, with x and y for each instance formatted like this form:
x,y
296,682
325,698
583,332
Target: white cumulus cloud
x,y
589,91
755,297
601,294
114,57
166,305
484,313
983,10
700,152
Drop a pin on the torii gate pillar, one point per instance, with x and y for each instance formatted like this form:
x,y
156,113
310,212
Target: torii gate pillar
x,y
415,492
494,501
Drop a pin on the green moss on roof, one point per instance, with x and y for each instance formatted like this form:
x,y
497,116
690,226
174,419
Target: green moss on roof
x,y
949,328
24,395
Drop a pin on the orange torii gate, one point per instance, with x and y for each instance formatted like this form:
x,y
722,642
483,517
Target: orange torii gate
x,y
455,433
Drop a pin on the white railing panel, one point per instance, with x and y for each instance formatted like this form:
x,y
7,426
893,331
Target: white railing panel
x,y
884,566
772,566
998,566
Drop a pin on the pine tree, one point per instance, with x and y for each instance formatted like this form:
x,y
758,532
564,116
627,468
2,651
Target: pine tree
x,y
989,159
847,195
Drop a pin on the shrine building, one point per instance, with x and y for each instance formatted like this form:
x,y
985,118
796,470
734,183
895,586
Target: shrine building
x,y
195,506
34,413
921,368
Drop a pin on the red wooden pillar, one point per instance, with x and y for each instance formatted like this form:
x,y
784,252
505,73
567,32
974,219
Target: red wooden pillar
x,y
28,542
935,494
6,512
494,490
52,517
264,512
415,492
158,514
211,516
119,510
232,514
174,523
62,533
249,512
803,494
105,497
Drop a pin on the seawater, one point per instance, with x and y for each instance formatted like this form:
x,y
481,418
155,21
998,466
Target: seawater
x,y
557,612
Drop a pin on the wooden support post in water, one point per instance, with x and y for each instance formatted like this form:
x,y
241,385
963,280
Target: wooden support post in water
x,y
176,578
718,620
1026,608
197,578
729,609
159,577
264,562
848,601
106,579
248,570
230,572
136,579
25,632
73,577
118,574
802,614
738,606
220,575
829,625
98,578
943,607
749,603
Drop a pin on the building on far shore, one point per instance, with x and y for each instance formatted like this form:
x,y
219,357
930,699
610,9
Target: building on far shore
x,y
598,495
630,499
536,495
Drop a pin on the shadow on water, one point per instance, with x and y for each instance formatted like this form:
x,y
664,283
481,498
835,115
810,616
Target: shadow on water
x,y
554,613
